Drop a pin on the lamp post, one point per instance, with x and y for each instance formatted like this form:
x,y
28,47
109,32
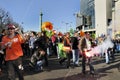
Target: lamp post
x,y
41,14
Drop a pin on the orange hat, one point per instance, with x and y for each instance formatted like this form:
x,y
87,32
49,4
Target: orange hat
x,y
82,33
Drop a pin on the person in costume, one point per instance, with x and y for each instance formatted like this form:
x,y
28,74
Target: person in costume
x,y
61,52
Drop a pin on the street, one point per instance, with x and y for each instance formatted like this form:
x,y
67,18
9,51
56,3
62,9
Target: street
x,y
55,71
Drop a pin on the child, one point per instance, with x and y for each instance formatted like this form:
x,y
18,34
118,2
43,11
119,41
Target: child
x,y
37,59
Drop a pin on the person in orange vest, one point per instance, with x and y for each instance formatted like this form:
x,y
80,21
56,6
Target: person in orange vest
x,y
12,43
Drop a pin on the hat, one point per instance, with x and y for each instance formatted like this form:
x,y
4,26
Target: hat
x,y
10,26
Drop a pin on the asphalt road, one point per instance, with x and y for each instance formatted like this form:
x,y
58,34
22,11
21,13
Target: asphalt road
x,y
55,71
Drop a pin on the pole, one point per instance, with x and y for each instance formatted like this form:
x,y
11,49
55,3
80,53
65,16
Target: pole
x,y
41,14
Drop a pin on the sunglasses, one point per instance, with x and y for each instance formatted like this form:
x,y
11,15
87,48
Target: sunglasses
x,y
10,28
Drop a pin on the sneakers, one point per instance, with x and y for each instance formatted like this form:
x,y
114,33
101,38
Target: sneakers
x,y
67,66
60,62
76,65
39,68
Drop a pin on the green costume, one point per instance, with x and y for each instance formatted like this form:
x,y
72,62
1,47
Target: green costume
x,y
62,54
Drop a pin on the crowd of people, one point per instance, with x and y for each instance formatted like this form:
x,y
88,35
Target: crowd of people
x,y
38,47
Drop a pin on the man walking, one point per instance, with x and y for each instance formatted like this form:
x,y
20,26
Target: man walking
x,y
12,43
85,46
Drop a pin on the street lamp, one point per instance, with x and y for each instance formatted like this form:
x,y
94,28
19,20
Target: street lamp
x,y
41,14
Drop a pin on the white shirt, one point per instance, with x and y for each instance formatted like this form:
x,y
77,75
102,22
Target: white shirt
x,y
88,44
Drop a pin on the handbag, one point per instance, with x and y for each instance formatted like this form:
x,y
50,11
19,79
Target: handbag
x,y
66,48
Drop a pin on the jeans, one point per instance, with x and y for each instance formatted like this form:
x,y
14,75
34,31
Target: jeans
x,y
68,57
75,56
39,65
15,65
107,57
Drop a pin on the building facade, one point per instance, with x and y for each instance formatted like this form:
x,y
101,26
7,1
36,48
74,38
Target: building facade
x,y
116,17
85,19
104,16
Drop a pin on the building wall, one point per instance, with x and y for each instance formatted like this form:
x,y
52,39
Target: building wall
x,y
117,16
103,13
105,19
100,17
109,9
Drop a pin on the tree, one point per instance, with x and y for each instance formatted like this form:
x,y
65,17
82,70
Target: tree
x,y
4,18
71,32
18,26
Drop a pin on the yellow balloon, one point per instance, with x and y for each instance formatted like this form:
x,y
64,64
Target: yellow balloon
x,y
47,25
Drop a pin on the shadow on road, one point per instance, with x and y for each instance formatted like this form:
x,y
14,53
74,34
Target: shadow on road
x,y
81,77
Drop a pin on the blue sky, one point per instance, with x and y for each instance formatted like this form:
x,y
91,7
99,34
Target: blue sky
x,y
58,12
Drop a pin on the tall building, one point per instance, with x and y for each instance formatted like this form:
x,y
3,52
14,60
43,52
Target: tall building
x,y
87,10
86,16
99,17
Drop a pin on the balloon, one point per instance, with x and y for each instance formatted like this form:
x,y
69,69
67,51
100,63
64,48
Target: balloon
x,y
47,25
